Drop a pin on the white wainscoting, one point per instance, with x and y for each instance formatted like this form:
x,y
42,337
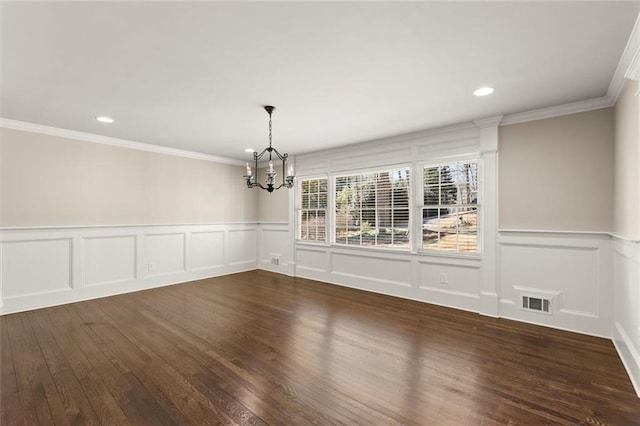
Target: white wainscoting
x,y
51,266
575,270
407,275
626,330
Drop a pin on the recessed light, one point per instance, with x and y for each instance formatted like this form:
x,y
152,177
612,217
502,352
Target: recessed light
x,y
249,150
104,119
483,91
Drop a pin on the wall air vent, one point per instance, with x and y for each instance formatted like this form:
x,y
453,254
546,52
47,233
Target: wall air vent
x,y
536,304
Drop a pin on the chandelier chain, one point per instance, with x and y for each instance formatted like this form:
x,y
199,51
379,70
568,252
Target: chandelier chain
x,y
269,131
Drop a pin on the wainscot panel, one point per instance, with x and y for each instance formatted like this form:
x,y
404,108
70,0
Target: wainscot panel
x,y
207,250
371,269
572,271
242,246
36,267
108,260
164,254
276,248
450,284
312,261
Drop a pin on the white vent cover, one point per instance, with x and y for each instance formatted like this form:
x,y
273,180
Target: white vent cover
x,y
536,304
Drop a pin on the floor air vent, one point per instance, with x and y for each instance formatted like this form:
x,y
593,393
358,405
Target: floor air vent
x,y
536,304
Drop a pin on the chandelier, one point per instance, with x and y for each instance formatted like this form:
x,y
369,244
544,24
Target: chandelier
x,y
287,181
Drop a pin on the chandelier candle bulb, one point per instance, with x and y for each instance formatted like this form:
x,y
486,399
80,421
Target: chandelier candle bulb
x,y
270,166
290,171
248,170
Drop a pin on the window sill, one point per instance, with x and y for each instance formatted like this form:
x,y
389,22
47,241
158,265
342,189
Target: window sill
x,y
461,256
374,249
312,243
420,253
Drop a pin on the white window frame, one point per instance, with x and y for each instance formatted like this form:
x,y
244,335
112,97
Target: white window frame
x,y
298,209
420,205
377,169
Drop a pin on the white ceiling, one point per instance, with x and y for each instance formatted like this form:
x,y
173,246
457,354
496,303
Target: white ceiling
x,y
194,76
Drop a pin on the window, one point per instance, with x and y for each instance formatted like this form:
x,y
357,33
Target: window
x,y
312,214
450,212
372,209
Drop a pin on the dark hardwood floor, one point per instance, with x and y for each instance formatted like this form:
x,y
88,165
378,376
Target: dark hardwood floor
x,y
261,348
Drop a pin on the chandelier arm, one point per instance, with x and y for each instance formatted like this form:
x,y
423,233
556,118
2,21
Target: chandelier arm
x,y
288,183
282,157
267,188
257,156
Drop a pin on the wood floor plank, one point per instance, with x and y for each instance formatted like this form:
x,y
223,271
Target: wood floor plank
x,y
55,321
10,405
260,348
180,371
36,391
257,398
145,394
77,407
197,326
119,382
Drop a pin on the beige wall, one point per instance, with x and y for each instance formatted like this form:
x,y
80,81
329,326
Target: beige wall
x,y
627,162
557,173
273,207
53,181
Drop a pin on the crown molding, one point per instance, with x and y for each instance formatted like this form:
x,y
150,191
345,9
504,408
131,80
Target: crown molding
x,y
629,65
558,110
106,140
633,72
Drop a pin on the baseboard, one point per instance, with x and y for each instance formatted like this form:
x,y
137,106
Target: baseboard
x,y
628,354
283,268
57,298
